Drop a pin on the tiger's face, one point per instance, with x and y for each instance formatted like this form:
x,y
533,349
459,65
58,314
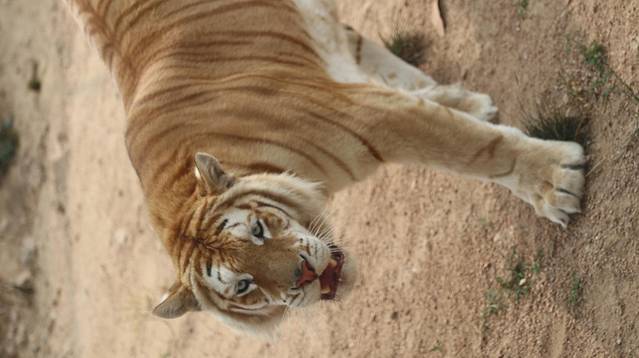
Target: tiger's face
x,y
253,248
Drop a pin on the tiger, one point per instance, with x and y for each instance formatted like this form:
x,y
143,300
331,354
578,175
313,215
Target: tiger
x,y
243,117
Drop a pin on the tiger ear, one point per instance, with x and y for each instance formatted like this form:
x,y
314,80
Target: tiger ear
x,y
178,301
211,178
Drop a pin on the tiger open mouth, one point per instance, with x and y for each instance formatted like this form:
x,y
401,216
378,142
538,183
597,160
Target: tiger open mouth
x,y
330,277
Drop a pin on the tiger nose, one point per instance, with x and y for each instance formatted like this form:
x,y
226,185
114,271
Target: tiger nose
x,y
307,274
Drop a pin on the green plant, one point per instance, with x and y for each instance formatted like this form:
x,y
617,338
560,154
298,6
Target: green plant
x,y
494,303
522,6
536,264
437,347
595,56
576,291
408,45
517,283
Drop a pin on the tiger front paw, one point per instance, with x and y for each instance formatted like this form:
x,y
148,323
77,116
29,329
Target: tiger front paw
x,y
549,175
478,105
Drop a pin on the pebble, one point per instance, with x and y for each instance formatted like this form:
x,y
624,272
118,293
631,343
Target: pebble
x,y
24,281
28,251
120,237
4,223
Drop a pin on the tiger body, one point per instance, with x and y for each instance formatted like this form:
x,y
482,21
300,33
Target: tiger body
x,y
290,106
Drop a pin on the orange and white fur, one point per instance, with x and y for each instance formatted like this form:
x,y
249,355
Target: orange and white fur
x,y
243,116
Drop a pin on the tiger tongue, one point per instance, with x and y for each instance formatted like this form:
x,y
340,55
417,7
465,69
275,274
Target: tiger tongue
x,y
308,275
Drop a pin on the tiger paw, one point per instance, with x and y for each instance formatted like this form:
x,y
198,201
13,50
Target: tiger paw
x,y
478,105
481,106
549,175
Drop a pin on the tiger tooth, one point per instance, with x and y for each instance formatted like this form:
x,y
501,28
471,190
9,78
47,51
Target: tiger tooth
x,y
325,290
332,263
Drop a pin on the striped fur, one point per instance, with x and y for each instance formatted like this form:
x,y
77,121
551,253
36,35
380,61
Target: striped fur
x,y
273,87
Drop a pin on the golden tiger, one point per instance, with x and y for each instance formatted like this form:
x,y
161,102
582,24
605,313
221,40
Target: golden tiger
x,y
244,116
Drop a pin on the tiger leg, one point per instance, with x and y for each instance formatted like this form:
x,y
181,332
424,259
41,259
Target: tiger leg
x,y
382,66
546,174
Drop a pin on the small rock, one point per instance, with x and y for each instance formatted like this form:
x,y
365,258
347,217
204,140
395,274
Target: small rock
x,y
21,334
24,281
394,315
120,237
4,223
618,341
28,251
36,175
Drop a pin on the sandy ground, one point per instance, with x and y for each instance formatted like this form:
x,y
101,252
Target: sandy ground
x,y
80,268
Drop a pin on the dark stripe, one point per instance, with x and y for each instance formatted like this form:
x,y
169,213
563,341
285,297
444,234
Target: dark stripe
x,y
371,149
143,11
136,125
184,226
178,243
160,170
187,7
95,20
286,201
197,256
263,204
264,167
154,95
209,264
333,157
165,52
186,168
201,214
190,19
200,79
220,227
273,34
103,7
507,172
185,98
206,226
488,148
271,142
305,82
200,58
185,255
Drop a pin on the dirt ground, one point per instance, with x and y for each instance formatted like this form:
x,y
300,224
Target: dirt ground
x,y
80,268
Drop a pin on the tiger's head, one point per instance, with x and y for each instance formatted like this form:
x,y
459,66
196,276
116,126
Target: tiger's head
x,y
253,247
